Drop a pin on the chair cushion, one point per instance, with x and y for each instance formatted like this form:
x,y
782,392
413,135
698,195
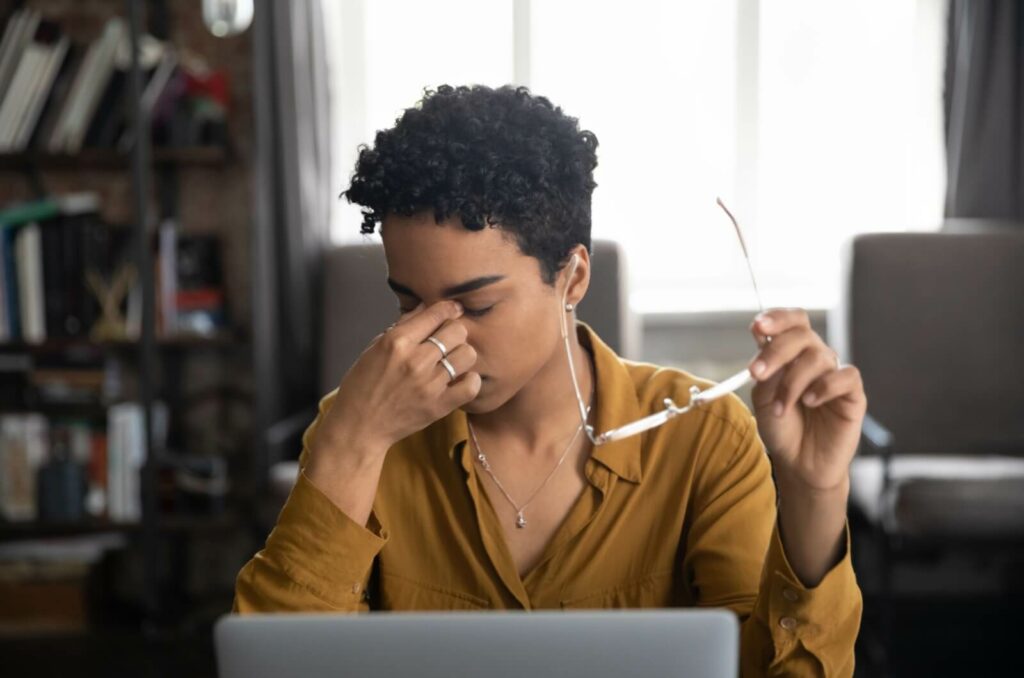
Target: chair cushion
x,y
975,497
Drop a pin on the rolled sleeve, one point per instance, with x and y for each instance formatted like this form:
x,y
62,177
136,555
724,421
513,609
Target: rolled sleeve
x,y
316,558
822,621
735,559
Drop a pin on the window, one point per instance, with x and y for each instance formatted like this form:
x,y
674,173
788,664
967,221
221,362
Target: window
x,y
813,121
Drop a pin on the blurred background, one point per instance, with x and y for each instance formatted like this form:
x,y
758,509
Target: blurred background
x,y
174,302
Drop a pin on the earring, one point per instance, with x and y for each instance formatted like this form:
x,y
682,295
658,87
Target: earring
x,y
569,307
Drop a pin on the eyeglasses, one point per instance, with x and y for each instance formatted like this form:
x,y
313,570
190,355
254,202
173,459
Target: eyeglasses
x,y
697,396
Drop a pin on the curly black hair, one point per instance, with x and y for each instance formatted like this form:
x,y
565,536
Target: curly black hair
x,y
501,157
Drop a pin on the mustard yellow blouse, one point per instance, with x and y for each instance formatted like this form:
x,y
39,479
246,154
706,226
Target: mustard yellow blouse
x,y
683,515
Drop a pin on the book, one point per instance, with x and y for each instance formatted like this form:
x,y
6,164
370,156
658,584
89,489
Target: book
x,y
96,494
79,218
28,246
22,27
73,240
167,278
89,84
11,31
31,60
57,58
12,320
11,220
113,41
30,86
24,440
110,116
54,104
126,456
155,86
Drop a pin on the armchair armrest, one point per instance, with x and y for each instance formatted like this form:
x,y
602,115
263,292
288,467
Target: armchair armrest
x,y
880,440
877,436
286,430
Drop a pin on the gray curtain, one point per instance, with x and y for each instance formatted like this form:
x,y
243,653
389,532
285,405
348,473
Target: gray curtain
x,y
293,201
984,105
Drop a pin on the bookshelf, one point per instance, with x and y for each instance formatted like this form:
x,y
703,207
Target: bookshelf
x,y
102,159
140,187
179,342
181,524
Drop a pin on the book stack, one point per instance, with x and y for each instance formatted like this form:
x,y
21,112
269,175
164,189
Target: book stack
x,y
46,248
60,97
66,470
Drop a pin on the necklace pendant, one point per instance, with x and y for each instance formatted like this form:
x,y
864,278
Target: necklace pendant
x,y
520,520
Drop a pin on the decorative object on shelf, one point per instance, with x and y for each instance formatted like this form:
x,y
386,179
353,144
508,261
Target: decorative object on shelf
x,y
111,326
62,482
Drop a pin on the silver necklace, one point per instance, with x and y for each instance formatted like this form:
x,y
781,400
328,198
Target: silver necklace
x,y
482,458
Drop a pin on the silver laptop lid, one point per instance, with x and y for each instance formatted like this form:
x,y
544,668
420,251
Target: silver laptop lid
x,y
587,644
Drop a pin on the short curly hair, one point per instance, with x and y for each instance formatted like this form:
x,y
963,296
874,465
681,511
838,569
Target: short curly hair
x,y
491,156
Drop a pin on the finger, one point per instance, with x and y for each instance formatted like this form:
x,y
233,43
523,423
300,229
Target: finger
x,y
759,337
780,351
805,369
775,321
405,317
428,320
451,334
461,391
462,359
842,388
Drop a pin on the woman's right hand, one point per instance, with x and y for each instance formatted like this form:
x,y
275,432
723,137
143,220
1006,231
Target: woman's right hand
x,y
398,385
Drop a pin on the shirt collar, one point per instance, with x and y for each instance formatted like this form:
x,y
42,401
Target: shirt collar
x,y
617,404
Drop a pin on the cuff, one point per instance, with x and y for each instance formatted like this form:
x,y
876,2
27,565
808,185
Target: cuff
x,y
824,619
322,548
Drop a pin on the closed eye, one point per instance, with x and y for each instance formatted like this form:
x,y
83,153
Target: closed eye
x,y
475,313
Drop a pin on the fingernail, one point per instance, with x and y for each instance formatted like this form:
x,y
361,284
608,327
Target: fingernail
x,y
765,321
758,368
809,399
777,408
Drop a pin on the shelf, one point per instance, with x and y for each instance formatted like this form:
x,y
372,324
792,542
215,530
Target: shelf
x,y
179,342
63,410
105,158
14,531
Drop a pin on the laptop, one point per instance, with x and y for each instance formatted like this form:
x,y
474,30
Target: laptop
x,y
590,644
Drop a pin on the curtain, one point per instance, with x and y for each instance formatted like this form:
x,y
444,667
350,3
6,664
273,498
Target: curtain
x,y
984,109
293,200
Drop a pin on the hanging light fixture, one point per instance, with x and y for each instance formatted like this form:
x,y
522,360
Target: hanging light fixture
x,y
225,18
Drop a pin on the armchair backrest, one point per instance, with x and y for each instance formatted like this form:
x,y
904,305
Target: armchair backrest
x,y
935,323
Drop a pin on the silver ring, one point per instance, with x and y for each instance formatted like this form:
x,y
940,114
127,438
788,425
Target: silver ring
x,y
448,368
440,345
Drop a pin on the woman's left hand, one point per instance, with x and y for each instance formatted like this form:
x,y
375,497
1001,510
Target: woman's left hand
x,y
809,409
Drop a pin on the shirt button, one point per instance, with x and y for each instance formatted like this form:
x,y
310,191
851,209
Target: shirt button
x,y
355,588
787,623
790,595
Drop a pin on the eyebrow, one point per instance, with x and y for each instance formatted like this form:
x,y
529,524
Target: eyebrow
x,y
454,290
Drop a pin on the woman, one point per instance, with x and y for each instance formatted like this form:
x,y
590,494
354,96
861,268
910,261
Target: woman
x,y
451,468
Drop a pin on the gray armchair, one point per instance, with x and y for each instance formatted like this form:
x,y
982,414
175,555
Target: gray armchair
x,y
935,323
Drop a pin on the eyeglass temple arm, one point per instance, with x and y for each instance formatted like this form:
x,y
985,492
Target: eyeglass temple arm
x,y
697,398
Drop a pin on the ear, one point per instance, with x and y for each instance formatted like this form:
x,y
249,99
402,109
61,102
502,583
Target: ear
x,y
576,276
